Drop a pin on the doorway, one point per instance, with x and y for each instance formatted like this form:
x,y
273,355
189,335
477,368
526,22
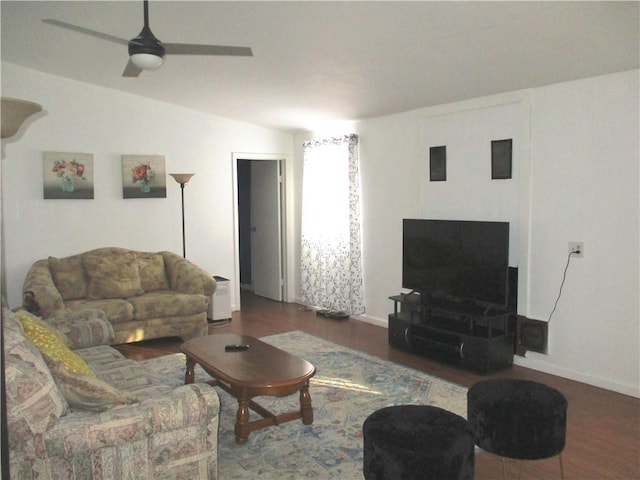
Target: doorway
x,y
260,227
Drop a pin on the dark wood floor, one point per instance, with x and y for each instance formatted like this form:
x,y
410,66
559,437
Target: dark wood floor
x,y
603,427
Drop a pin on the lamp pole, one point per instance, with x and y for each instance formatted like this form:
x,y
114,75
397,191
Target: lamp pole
x,y
184,251
182,179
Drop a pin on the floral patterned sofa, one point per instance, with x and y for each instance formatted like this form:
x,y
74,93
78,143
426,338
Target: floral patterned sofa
x,y
123,423
144,295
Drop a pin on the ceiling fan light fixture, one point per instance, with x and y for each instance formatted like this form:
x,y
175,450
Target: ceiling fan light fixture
x,y
146,52
147,61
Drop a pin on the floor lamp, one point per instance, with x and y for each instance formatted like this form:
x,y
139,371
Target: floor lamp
x,y
182,179
14,113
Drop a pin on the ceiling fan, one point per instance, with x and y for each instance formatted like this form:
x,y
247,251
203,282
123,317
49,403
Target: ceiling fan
x,y
146,52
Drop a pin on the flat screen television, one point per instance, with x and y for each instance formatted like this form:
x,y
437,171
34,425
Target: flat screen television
x,y
465,261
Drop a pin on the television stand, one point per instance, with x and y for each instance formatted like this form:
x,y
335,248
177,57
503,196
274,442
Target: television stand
x,y
460,333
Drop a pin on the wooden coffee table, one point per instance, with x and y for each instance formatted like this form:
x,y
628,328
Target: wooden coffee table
x,y
260,370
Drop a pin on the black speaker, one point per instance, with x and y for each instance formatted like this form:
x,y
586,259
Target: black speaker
x,y
487,354
399,333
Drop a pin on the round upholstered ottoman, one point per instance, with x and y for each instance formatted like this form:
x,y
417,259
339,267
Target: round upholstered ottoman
x,y
518,419
417,442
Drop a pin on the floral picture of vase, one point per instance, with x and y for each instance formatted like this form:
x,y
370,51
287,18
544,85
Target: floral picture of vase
x,y
143,176
67,175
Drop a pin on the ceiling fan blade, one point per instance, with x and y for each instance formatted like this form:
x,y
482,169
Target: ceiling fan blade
x,y
195,49
131,70
86,31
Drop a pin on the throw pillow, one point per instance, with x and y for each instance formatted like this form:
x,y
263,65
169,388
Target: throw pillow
x,y
26,316
49,343
113,276
33,402
85,392
152,275
69,277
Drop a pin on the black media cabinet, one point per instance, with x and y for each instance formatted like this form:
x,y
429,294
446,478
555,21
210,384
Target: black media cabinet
x,y
463,334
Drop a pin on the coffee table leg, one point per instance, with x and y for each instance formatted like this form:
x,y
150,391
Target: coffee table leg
x,y
189,374
242,421
306,410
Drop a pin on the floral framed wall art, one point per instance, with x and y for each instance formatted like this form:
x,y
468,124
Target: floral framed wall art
x,y
143,176
67,175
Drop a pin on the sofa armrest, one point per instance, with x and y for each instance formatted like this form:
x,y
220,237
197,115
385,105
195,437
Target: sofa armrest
x,y
187,406
39,293
198,403
84,328
186,277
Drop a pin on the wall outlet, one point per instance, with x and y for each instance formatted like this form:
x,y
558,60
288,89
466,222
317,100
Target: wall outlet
x,y
576,247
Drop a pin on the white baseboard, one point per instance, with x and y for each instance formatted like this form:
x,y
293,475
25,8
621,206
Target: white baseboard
x,y
372,320
546,367
365,318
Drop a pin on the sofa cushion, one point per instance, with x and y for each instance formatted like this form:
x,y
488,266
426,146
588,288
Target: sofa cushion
x,y
152,274
166,303
113,276
34,403
85,392
49,343
128,375
69,277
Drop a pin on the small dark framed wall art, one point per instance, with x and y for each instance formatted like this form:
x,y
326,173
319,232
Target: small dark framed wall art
x,y
501,159
438,163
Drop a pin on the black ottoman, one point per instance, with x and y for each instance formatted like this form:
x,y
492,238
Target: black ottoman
x,y
417,442
518,419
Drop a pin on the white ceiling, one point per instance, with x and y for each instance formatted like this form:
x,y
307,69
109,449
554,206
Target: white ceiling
x,y
317,62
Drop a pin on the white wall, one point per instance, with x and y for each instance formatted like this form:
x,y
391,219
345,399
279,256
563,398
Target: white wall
x,y
575,177
584,171
84,118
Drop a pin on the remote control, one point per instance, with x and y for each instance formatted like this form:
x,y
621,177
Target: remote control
x,y
236,348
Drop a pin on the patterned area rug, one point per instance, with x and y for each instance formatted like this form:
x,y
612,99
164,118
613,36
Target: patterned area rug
x,y
348,386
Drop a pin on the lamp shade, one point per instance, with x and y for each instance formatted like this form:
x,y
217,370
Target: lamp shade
x,y
182,178
147,61
14,113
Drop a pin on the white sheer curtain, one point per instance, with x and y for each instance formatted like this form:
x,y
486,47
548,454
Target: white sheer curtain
x,y
331,241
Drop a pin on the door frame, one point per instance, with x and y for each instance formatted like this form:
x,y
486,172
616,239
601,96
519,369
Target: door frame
x,y
286,221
